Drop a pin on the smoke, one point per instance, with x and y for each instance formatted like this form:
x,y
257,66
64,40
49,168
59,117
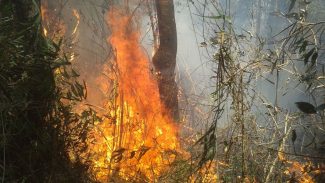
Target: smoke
x,y
255,19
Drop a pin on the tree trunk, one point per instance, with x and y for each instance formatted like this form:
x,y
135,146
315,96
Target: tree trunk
x,y
164,59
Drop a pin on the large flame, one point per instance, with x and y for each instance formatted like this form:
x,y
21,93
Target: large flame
x,y
138,140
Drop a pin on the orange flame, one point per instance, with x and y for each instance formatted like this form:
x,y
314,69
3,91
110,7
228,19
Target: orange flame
x,y
77,16
207,173
138,140
75,33
298,171
45,18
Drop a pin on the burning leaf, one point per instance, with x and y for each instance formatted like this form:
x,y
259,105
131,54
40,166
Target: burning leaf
x,y
143,151
306,107
132,154
117,155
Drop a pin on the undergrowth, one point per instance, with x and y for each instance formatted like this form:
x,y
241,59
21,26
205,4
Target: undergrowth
x,y
37,90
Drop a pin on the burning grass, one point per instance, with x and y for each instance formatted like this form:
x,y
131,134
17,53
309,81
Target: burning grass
x,y
134,139
137,140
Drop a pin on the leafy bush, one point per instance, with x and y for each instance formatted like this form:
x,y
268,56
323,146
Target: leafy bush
x,y
35,79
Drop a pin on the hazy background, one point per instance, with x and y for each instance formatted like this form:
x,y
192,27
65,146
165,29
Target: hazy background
x,y
260,18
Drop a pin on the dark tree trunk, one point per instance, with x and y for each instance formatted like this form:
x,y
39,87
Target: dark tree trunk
x,y
164,59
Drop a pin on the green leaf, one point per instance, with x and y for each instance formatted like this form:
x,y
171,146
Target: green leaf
x,y
80,90
65,74
292,4
306,107
293,136
74,73
203,44
293,15
320,107
307,56
226,18
314,58
299,41
74,91
303,47
216,17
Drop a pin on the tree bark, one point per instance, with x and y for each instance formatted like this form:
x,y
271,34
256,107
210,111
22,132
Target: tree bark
x,y
164,59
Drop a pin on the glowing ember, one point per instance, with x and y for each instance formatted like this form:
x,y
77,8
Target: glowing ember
x,y
137,141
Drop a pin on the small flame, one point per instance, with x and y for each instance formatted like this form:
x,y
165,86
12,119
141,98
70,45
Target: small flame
x,y
44,14
45,32
75,34
77,16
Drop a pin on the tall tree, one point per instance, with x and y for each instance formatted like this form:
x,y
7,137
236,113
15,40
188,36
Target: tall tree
x,y
164,59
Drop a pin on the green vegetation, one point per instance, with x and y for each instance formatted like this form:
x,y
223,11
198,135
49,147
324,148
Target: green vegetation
x,y
33,117
259,141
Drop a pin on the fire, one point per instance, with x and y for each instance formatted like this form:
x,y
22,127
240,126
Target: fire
x,y
77,16
137,140
297,171
75,33
207,173
45,18
53,26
